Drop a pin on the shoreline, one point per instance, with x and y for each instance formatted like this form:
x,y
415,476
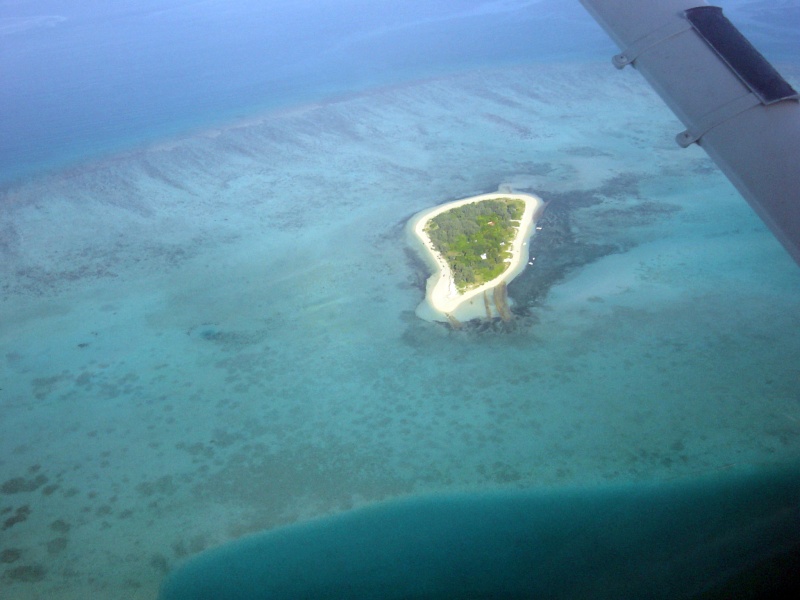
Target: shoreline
x,y
442,302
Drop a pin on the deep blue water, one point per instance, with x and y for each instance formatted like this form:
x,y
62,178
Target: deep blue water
x,y
83,79
626,542
80,79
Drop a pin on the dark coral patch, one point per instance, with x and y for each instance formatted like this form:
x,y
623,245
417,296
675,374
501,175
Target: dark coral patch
x,y
18,485
19,516
25,574
10,555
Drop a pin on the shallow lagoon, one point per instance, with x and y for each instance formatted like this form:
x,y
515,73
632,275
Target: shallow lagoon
x,y
214,335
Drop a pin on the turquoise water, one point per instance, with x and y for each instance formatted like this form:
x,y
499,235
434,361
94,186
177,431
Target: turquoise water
x,y
211,334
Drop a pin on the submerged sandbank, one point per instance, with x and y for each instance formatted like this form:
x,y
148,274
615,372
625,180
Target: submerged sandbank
x,y
442,300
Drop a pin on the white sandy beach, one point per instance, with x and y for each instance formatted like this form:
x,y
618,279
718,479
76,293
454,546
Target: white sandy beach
x,y
441,297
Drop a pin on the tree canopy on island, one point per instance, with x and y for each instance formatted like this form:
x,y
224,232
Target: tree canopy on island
x,y
475,238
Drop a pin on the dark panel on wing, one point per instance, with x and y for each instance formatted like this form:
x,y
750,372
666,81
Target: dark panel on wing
x,y
749,65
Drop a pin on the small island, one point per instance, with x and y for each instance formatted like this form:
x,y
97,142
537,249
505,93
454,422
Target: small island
x,y
475,246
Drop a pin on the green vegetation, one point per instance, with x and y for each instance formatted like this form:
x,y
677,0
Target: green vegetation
x,y
476,238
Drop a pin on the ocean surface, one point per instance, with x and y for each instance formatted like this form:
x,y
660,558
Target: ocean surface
x,y
207,326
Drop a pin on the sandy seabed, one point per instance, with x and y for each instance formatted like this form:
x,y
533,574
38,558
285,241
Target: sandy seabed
x,y
217,336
